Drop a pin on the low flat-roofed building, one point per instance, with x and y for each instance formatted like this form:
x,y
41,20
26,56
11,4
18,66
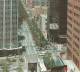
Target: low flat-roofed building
x,y
59,65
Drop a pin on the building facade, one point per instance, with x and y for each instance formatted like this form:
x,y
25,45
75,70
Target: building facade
x,y
73,31
9,24
38,10
40,2
32,3
57,20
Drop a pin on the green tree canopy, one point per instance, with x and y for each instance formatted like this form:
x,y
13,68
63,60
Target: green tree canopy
x,y
48,60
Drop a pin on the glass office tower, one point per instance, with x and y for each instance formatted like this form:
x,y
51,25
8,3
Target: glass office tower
x,y
9,24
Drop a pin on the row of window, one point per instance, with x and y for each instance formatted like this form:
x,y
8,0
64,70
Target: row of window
x,y
14,30
76,22
8,7
76,15
69,37
73,20
70,18
69,53
14,20
76,37
76,46
78,1
72,12
70,4
8,40
77,7
76,30
76,61
76,51
69,44
7,12
69,31
69,24
7,24
74,43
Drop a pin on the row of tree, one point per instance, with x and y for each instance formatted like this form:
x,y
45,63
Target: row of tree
x,y
37,34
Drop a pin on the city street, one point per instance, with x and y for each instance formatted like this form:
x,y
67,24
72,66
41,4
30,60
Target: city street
x,y
31,48
31,53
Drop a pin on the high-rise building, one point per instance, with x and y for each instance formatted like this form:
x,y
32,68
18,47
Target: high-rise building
x,y
9,24
73,31
57,20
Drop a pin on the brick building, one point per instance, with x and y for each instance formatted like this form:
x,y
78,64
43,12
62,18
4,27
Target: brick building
x,y
73,31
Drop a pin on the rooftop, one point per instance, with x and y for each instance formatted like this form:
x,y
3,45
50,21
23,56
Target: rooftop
x,y
57,61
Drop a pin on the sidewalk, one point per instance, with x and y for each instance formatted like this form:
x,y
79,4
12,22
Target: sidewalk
x,y
71,66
